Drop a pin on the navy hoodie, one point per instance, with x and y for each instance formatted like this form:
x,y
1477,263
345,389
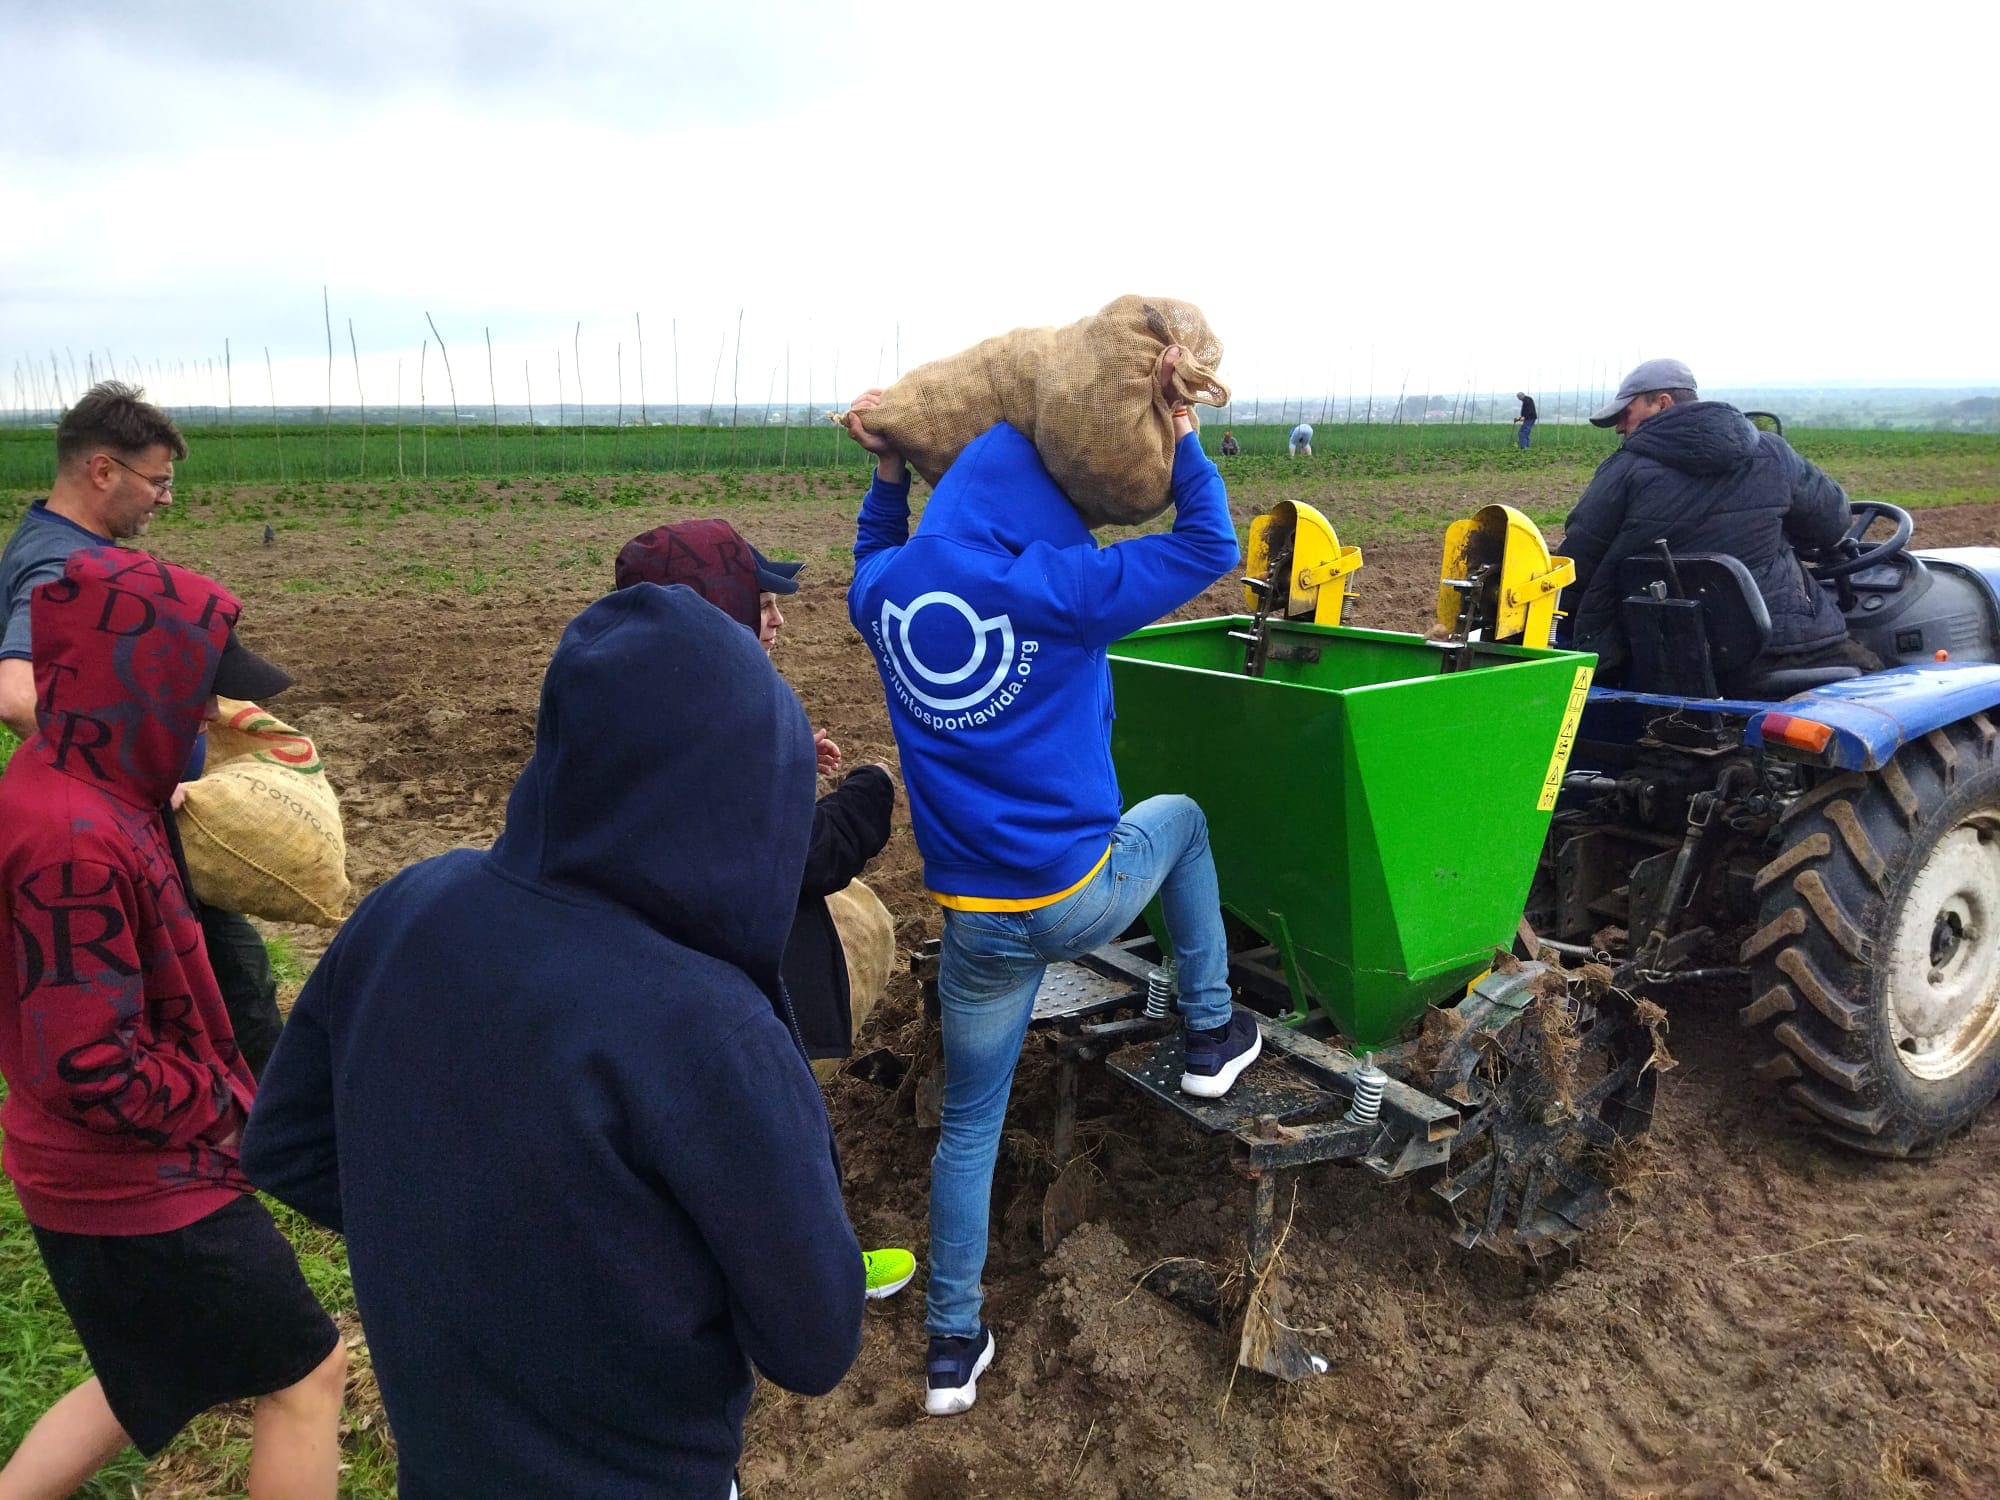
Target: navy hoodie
x,y
989,628
553,1096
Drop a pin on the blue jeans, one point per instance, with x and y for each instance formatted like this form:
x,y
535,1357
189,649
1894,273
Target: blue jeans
x,y
1527,430
988,974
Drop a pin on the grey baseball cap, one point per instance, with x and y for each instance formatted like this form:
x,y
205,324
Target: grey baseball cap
x,y
1653,375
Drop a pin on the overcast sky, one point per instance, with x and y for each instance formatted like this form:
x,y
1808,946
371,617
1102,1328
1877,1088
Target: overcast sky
x,y
1497,195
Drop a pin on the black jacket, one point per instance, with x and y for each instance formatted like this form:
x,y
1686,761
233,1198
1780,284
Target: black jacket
x,y
1703,477
850,826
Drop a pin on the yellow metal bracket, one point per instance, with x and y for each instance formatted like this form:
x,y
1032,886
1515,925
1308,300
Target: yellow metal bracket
x,y
1498,579
1293,548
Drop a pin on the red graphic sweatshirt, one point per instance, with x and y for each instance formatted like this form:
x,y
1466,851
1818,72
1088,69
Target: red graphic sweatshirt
x,y
125,1093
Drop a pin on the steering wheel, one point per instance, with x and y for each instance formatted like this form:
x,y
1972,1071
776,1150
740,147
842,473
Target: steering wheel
x,y
1850,555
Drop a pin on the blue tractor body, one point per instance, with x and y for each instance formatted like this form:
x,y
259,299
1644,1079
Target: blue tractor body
x,y
1827,837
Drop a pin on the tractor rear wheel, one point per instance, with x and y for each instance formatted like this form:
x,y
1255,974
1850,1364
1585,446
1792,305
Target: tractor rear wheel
x,y
1875,966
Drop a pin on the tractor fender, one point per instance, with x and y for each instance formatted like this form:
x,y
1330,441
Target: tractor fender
x,y
1874,716
1981,564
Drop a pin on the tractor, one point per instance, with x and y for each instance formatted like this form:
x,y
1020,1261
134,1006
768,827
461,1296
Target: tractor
x,y
1463,879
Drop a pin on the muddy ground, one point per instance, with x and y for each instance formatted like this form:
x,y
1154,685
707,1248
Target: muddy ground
x,y
1765,1316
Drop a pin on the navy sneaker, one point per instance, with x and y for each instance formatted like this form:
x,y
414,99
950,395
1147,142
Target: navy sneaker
x,y
952,1368
1216,1059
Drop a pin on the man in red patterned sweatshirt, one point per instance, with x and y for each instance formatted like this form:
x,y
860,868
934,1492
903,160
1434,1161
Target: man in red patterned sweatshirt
x,y
126,1095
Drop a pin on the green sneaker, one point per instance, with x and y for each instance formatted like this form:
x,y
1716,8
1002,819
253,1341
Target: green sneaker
x,y
889,1271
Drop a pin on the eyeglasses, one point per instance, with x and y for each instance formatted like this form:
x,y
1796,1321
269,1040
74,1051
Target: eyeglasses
x,y
161,487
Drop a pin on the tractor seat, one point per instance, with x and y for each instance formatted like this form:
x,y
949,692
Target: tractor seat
x,y
1697,626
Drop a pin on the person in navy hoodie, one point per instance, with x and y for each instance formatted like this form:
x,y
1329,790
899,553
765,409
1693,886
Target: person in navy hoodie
x,y
990,629
554,1095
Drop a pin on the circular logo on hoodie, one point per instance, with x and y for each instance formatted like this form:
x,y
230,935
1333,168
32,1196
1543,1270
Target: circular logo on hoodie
x,y
942,684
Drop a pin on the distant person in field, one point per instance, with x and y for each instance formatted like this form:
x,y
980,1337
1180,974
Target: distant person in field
x,y
115,456
126,1094
1230,448
554,1095
990,628
1527,418
1701,477
850,824
1302,440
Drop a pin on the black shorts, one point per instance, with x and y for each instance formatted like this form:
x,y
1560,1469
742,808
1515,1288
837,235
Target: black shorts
x,y
176,1323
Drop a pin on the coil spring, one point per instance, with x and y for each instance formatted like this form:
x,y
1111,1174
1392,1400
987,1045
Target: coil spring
x,y
1160,992
1369,1082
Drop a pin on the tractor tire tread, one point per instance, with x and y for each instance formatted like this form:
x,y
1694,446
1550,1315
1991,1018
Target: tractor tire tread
x,y
1787,924
1905,795
1825,907
1819,991
1847,781
1778,1000
1851,1076
1840,813
1805,849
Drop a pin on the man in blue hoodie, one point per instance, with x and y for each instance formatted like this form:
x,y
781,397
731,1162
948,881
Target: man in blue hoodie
x,y
554,1095
990,630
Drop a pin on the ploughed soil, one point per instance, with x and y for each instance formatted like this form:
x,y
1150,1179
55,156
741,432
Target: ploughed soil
x,y
1763,1315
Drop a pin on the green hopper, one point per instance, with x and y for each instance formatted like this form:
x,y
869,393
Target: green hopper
x,y
1376,802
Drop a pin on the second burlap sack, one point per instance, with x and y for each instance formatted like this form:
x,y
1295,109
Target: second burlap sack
x,y
868,942
261,829
1088,396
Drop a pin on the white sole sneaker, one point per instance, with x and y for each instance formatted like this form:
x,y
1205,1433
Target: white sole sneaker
x,y
949,1401
1215,1085
877,1293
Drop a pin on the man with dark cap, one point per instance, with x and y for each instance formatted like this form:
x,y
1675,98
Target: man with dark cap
x,y
115,455
1700,476
126,1092
850,824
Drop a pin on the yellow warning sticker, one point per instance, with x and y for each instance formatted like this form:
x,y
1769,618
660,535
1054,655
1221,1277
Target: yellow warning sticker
x,y
1579,693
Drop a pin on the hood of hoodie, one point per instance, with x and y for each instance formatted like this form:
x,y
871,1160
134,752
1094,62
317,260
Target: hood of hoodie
x,y
126,648
997,496
672,776
1703,437
709,557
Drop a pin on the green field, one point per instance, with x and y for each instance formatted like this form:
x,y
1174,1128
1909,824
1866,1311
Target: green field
x,y
320,469
249,453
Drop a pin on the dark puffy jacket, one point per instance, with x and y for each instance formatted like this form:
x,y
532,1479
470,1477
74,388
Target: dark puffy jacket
x,y
850,826
1703,477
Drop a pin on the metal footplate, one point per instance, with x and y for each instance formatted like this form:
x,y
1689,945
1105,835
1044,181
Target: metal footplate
x,y
1298,1077
1071,992
1257,1111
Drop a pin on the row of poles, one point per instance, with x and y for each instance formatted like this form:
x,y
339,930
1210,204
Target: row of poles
x,y
41,389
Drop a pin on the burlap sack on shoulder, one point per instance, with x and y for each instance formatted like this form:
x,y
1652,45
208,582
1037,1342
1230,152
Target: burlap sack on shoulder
x,y
1088,397
261,829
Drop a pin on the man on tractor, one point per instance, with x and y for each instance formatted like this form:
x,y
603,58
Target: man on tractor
x,y
1701,477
